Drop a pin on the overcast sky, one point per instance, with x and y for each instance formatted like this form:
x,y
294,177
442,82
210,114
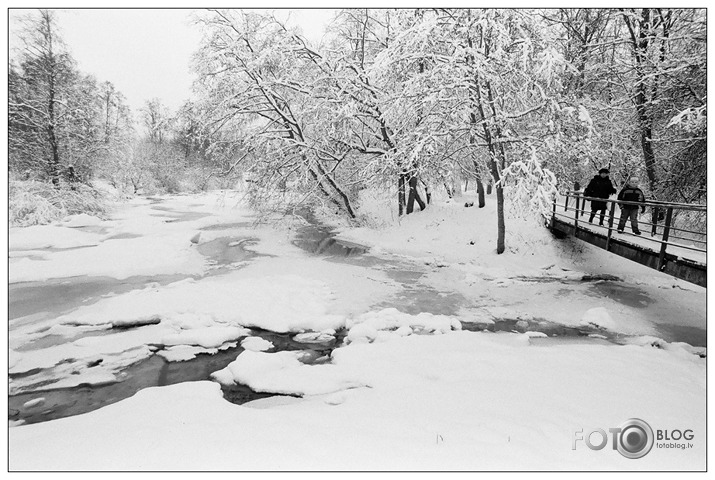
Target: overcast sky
x,y
146,53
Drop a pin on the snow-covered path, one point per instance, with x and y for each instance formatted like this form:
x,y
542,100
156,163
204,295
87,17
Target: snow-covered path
x,y
408,387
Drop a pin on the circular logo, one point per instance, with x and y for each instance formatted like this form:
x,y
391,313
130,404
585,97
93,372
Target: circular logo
x,y
635,439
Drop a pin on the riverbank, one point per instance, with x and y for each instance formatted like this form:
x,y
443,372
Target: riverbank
x,y
407,389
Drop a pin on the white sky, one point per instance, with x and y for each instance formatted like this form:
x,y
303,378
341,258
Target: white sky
x,y
146,53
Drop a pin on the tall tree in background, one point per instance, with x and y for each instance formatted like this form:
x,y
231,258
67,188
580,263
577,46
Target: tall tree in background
x,y
667,80
39,90
58,116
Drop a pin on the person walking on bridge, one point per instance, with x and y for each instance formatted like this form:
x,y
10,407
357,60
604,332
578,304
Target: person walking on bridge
x,y
634,195
600,186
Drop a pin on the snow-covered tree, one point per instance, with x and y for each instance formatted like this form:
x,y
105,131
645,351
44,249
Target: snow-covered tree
x,y
260,80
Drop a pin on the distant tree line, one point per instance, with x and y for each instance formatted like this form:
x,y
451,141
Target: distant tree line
x,y
65,126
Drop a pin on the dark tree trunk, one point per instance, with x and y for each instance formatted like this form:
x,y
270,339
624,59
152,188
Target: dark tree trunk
x,y
480,192
401,194
501,227
428,193
640,41
496,155
323,189
339,191
54,161
489,188
450,190
414,196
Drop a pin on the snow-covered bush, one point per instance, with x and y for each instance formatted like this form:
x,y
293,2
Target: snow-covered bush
x,y
376,207
39,203
529,189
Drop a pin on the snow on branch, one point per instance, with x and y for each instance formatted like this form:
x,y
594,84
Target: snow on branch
x,y
530,188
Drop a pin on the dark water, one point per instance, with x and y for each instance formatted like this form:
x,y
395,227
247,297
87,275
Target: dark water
x,y
320,240
551,329
57,296
64,295
227,250
697,337
156,371
54,297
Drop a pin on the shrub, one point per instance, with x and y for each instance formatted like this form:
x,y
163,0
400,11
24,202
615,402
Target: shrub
x,y
39,203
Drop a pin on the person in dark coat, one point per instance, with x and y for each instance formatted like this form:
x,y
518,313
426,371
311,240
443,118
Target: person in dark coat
x,y
600,186
631,193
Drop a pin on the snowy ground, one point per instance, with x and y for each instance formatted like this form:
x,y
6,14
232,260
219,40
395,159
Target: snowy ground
x,y
409,389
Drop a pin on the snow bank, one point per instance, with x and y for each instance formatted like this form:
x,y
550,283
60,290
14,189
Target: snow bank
x,y
599,318
284,373
81,220
447,232
256,344
50,236
461,401
208,337
373,326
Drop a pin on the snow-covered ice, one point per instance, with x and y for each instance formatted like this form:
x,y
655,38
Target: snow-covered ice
x,y
460,401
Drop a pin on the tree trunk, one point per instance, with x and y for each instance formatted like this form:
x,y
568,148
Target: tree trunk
x,y
414,195
323,189
401,194
496,154
428,193
501,227
480,192
640,44
54,162
450,191
343,196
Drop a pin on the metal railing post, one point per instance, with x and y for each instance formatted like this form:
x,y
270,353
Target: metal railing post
x,y
583,206
553,213
664,242
610,224
575,216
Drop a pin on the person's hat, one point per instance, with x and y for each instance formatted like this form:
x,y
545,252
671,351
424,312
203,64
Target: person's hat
x,y
603,170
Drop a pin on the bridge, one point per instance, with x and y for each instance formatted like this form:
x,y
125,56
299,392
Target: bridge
x,y
677,246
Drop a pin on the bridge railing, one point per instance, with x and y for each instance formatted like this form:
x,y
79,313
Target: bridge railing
x,y
682,230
